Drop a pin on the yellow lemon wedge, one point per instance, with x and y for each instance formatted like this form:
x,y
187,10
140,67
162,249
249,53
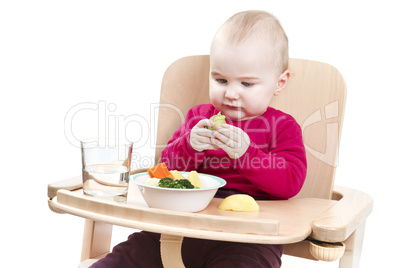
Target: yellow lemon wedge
x,y
177,175
194,179
239,202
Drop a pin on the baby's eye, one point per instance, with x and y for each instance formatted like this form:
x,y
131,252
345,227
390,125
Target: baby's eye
x,y
221,81
246,84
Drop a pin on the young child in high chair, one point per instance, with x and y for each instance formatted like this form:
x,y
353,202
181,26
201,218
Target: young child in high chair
x,y
259,151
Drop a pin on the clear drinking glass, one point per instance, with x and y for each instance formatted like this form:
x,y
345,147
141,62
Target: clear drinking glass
x,y
106,166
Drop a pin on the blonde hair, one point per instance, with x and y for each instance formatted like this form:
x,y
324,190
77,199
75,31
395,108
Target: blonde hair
x,y
256,24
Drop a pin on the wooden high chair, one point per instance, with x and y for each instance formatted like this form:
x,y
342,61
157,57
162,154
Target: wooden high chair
x,y
320,223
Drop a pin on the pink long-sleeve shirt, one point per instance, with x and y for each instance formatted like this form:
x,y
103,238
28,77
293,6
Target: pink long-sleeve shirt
x,y
273,167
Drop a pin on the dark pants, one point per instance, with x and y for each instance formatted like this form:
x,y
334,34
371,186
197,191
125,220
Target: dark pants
x,y
142,250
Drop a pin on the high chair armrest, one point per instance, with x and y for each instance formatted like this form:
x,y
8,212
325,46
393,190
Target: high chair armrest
x,y
342,219
73,183
70,184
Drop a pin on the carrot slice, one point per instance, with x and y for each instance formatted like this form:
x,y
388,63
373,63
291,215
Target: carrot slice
x,y
160,171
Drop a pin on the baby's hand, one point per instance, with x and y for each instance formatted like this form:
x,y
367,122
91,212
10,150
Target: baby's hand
x,y
200,136
233,140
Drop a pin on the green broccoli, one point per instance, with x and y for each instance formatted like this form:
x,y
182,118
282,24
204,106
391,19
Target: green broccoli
x,y
165,182
178,184
183,184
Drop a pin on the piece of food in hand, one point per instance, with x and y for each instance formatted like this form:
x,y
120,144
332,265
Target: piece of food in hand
x,y
194,179
177,175
160,171
218,119
239,202
177,184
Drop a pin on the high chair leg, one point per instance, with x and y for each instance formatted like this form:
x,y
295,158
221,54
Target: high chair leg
x,y
351,258
97,239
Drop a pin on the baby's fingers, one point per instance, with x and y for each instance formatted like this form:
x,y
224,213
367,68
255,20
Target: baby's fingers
x,y
199,130
228,131
222,139
205,123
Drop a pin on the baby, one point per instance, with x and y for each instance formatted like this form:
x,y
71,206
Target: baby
x,y
259,151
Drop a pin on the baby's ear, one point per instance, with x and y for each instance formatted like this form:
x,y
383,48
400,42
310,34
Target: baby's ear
x,y
282,82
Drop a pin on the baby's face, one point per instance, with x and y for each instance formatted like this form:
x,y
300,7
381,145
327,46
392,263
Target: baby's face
x,y
242,79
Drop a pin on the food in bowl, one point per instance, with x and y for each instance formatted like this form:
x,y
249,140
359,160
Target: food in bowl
x,y
160,171
195,179
189,200
152,182
177,175
176,184
161,176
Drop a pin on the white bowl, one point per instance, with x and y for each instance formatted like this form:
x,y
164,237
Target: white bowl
x,y
189,200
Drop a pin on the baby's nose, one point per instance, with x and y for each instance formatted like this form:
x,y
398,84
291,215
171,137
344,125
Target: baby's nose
x,y
231,93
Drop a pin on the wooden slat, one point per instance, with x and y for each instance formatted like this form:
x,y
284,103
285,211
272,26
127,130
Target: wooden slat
x,y
171,251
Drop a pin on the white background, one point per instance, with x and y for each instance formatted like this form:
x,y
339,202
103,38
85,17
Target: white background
x,y
55,55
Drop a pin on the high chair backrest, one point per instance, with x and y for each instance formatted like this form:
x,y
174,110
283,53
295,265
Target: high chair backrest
x,y
315,97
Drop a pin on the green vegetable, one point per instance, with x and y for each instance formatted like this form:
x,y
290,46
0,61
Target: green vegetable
x,y
219,119
178,184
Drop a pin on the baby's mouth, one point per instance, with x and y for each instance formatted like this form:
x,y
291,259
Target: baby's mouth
x,y
233,107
